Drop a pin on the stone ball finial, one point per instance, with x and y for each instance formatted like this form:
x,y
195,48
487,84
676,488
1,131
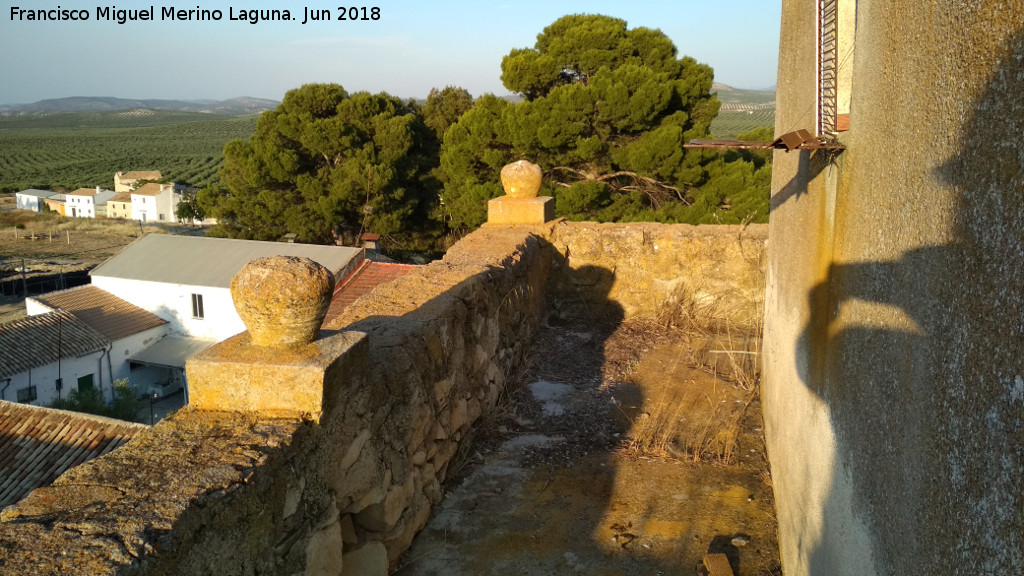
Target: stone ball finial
x,y
282,299
521,179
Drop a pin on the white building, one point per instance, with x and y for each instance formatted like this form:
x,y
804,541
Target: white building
x,y
32,199
88,202
186,279
155,202
49,354
126,329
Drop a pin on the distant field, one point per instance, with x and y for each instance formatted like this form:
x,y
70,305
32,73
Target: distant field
x,y
742,111
730,123
85,149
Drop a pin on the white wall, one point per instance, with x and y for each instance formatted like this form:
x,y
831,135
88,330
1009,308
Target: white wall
x,y
173,302
83,206
144,208
44,378
125,348
28,202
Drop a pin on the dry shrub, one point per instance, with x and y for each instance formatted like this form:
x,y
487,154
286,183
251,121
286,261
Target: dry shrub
x,y
663,432
724,334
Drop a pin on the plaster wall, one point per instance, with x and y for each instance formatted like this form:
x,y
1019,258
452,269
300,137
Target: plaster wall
x,y
144,208
173,302
893,387
28,202
70,370
81,206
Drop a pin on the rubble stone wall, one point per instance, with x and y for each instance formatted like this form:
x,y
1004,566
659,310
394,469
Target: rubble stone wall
x,y
424,359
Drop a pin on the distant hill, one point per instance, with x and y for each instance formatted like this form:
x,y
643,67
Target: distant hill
x,y
736,99
242,106
742,110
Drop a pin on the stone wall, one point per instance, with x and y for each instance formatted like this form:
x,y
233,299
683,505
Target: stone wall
x,y
644,269
409,371
894,327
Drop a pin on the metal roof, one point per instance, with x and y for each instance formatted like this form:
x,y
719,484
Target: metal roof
x,y
171,351
39,444
37,193
39,340
91,192
109,315
202,261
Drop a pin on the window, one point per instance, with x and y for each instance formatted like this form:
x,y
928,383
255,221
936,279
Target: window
x,y
85,383
27,394
197,306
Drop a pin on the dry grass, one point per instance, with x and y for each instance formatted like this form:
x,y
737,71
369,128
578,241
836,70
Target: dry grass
x,y
667,430
724,342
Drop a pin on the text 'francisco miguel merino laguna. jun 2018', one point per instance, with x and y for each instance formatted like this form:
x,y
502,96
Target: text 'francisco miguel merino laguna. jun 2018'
x,y
303,15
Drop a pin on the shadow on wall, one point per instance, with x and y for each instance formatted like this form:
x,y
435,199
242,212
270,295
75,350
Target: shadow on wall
x,y
928,411
810,166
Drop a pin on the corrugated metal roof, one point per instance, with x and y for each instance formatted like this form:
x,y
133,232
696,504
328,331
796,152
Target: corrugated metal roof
x,y
172,351
202,261
37,193
39,444
34,341
109,315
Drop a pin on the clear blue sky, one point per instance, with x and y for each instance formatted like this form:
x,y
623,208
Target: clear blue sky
x,y
415,45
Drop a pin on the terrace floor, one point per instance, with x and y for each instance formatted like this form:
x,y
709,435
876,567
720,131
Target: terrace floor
x,y
618,451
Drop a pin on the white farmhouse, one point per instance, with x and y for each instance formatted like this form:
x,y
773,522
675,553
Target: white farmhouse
x,y
88,202
186,279
154,202
40,354
32,199
126,329
76,339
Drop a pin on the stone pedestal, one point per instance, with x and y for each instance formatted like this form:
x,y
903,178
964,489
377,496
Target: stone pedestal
x,y
509,210
521,205
279,367
239,376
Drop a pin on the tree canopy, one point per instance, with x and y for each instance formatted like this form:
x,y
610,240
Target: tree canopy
x,y
321,162
606,112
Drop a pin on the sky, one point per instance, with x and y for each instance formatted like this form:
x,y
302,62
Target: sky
x,y
413,46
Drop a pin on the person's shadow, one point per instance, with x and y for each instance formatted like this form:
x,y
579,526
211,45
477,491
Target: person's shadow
x,y
920,358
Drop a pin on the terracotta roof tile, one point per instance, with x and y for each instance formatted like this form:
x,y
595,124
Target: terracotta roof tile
x,y
39,444
109,315
34,341
140,175
150,189
367,276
